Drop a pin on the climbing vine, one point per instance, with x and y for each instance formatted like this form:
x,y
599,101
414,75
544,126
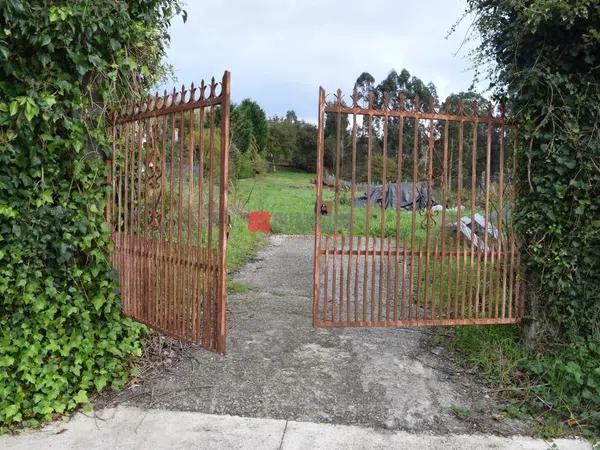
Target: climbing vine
x,y
545,62
546,57
63,65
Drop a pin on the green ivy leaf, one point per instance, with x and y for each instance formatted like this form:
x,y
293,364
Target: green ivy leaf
x,y
81,397
49,100
11,411
98,301
31,109
6,361
100,382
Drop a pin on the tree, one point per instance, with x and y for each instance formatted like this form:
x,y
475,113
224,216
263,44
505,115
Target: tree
x,y
546,57
248,119
469,101
391,88
290,116
282,138
305,157
364,85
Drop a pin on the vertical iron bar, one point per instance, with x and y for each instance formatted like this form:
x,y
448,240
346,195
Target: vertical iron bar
x,y
414,206
446,262
164,262
383,206
428,208
400,160
180,310
488,158
222,280
473,194
138,235
336,206
368,212
201,216
501,249
319,200
460,248
351,231
211,174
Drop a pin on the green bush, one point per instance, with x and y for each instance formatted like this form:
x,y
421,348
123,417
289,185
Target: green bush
x,y
62,332
545,57
244,166
560,388
568,383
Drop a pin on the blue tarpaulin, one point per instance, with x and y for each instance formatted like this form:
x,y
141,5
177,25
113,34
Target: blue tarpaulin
x,y
398,195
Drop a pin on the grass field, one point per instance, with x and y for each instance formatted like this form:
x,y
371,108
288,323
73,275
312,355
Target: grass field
x,y
288,196
290,199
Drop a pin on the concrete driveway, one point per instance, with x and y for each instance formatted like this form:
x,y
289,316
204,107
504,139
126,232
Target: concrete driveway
x,y
134,428
278,366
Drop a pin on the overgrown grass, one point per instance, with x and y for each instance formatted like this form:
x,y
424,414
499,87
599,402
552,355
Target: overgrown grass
x,y
559,390
288,196
242,244
495,349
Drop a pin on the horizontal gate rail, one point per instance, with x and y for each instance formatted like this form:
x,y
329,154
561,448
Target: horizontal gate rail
x,y
413,224
168,211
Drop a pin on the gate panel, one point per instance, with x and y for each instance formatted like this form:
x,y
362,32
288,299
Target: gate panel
x,y
413,223
168,211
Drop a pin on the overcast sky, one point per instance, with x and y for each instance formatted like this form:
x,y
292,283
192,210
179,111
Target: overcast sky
x,y
280,51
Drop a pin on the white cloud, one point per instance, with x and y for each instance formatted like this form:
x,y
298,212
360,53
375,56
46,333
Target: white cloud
x,y
279,52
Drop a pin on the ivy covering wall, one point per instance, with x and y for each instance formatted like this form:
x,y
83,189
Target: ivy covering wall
x,y
545,62
546,56
62,66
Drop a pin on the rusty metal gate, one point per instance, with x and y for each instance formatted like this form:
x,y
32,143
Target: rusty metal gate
x,y
168,211
413,217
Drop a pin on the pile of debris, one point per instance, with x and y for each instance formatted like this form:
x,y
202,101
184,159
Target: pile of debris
x,y
472,232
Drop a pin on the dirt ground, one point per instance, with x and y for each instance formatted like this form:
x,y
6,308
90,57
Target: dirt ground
x,y
278,366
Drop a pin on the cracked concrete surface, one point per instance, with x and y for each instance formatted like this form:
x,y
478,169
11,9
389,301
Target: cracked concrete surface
x,y
127,427
278,366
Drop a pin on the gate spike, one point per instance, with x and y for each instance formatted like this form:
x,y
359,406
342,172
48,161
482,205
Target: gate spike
x,y
202,90
417,103
370,100
338,97
213,88
447,105
355,98
182,95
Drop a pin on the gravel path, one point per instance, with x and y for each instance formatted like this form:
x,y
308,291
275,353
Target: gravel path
x,y
277,366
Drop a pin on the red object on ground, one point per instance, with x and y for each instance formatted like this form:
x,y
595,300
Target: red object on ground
x,y
259,221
